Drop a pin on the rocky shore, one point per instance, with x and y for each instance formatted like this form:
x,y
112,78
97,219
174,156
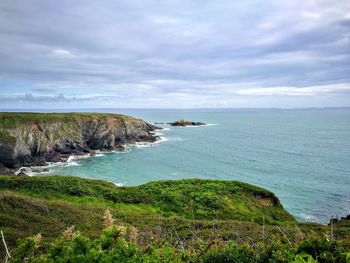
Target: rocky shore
x,y
33,139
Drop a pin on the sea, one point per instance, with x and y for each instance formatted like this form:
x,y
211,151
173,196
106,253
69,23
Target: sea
x,y
302,155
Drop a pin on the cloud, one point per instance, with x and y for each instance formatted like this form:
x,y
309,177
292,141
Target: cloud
x,y
50,98
62,53
148,52
293,91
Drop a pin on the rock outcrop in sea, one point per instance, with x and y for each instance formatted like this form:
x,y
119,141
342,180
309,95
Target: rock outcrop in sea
x,y
184,123
28,139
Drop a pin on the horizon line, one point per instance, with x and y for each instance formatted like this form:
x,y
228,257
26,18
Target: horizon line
x,y
218,108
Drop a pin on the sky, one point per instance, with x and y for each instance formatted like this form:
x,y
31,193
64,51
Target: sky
x,y
174,54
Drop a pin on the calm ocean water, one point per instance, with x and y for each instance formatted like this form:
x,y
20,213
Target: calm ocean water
x,y
303,156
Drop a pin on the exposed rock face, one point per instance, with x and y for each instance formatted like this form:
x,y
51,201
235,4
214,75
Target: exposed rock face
x,y
34,139
4,170
184,123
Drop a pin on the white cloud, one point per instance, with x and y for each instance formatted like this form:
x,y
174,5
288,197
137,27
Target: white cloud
x,y
294,91
62,53
167,20
310,14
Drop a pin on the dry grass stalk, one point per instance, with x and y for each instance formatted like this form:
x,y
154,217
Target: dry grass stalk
x,y
108,220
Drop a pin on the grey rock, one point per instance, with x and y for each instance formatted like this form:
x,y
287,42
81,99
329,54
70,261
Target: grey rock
x,y
184,123
4,170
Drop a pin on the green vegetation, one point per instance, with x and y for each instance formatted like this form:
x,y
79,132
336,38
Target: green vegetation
x,y
118,243
6,137
185,216
9,120
199,199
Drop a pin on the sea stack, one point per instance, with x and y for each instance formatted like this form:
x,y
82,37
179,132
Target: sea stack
x,y
184,123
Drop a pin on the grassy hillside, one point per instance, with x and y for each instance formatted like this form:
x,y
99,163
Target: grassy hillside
x,y
199,199
163,211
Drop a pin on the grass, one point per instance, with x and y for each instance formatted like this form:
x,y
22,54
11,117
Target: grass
x,y
6,137
194,198
162,210
9,120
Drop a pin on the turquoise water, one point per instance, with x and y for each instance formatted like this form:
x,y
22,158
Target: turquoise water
x,y
301,155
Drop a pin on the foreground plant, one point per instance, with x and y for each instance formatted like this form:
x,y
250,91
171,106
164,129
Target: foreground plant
x,y
118,244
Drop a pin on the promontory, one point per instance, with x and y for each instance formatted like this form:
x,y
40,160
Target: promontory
x,y
36,138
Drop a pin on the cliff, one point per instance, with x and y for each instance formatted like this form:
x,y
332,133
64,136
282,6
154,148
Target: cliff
x,y
37,138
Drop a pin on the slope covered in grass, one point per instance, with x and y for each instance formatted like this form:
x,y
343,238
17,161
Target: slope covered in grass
x,y
194,198
163,211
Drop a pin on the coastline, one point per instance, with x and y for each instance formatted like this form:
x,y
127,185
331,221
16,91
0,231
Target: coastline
x,y
70,161
35,139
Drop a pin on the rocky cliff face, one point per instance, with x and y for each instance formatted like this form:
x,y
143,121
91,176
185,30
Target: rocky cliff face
x,y
34,139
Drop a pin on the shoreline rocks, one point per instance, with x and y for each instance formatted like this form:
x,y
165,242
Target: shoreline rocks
x,y
4,170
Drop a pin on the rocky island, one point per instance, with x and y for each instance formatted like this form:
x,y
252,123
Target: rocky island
x,y
28,139
184,123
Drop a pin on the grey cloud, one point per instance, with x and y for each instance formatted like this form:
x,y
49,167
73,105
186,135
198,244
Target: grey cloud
x,y
42,99
77,48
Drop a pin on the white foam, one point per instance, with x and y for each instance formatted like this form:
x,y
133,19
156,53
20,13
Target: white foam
x,y
162,139
149,144
25,170
52,164
28,171
118,184
72,163
309,218
143,144
18,171
71,158
158,132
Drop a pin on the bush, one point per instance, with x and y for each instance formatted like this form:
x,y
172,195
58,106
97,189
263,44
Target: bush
x,y
115,245
230,253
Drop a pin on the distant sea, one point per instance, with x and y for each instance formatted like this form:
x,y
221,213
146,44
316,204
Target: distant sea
x,y
302,155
